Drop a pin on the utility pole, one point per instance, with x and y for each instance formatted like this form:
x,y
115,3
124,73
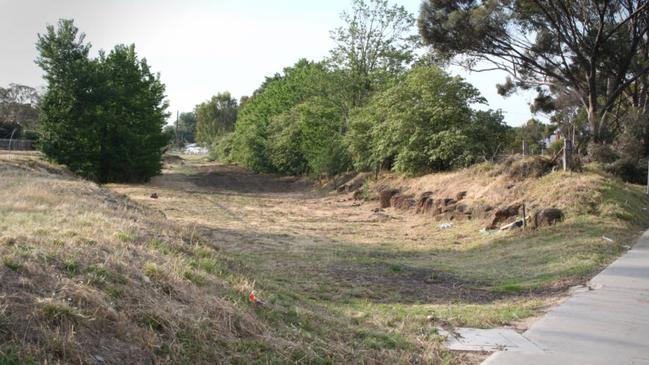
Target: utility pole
x,y
647,177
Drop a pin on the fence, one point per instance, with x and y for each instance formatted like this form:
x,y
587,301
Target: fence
x,y
16,144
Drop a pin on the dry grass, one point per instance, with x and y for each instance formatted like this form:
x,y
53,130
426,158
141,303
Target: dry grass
x,y
355,279
166,279
85,276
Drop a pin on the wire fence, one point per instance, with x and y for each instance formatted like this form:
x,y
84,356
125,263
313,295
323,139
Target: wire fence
x,y
16,144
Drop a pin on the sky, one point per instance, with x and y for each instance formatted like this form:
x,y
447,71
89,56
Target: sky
x,y
202,47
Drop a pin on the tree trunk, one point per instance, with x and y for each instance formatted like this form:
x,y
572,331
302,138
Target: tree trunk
x,y
593,115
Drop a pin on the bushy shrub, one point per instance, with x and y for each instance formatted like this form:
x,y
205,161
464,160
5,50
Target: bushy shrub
x,y
285,143
292,126
221,149
629,169
555,147
423,124
253,142
601,153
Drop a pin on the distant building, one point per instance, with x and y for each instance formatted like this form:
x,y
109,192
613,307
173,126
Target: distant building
x,y
554,137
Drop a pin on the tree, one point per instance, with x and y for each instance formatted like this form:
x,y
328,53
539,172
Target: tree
x,y
132,115
534,133
585,48
372,46
424,124
490,134
307,139
102,117
255,130
18,109
187,127
215,118
67,116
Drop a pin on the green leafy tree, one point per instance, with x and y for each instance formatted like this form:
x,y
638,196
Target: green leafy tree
x,y
256,129
424,124
293,124
132,116
102,117
534,133
322,140
490,135
18,110
67,118
373,45
215,118
590,49
307,139
187,127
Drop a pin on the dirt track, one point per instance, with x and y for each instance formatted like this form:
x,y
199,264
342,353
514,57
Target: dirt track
x,y
322,242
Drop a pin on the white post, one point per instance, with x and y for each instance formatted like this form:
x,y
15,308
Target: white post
x,y
524,148
11,138
567,154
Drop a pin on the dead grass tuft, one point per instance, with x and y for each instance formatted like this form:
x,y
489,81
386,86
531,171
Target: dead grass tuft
x,y
521,168
59,311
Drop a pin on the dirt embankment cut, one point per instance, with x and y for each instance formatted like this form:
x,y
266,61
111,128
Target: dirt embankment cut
x,y
495,193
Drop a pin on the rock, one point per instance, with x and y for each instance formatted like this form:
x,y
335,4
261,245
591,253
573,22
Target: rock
x,y
449,208
447,201
461,195
481,210
548,216
503,215
354,184
424,203
462,208
385,197
403,202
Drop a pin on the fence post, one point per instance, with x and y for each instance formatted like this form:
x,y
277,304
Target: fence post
x,y
567,154
524,217
524,148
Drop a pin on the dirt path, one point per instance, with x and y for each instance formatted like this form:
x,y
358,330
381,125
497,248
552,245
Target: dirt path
x,y
282,226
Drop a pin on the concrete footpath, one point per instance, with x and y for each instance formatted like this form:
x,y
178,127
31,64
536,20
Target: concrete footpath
x,y
607,325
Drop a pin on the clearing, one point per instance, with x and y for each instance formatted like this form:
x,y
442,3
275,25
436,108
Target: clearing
x,y
342,281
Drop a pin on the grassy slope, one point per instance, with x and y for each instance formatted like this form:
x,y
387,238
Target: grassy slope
x,y
87,273
596,206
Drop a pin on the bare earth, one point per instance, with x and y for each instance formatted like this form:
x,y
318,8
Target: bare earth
x,y
328,248
396,274
285,227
